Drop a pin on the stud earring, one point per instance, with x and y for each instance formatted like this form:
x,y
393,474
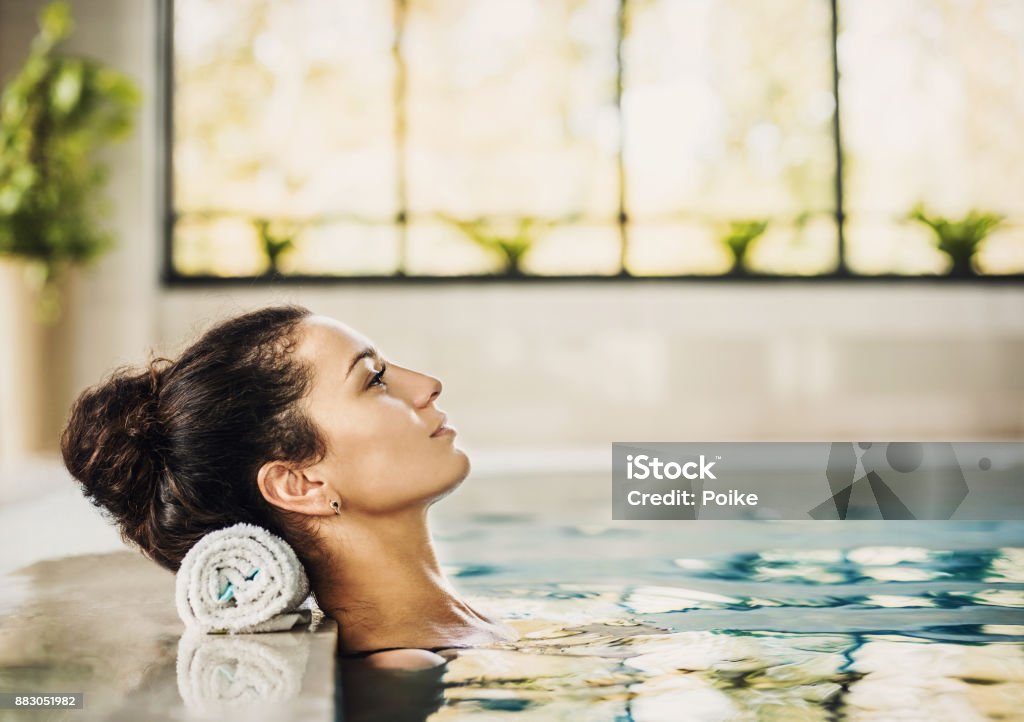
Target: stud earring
x,y
336,506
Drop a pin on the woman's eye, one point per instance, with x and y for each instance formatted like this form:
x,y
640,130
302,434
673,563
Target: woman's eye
x,y
378,378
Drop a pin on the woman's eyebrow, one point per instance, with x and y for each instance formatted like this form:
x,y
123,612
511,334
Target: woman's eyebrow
x,y
368,352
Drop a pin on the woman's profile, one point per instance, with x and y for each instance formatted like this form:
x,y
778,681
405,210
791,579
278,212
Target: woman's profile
x,y
294,422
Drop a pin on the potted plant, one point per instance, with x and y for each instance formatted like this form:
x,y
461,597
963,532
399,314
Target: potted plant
x,y
739,237
510,244
55,113
275,239
958,238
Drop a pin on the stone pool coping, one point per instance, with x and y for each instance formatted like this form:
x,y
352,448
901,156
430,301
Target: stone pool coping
x,y
105,625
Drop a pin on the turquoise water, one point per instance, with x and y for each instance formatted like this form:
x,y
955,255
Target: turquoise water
x,y
730,621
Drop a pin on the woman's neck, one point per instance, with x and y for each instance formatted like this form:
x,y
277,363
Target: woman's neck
x,y
385,588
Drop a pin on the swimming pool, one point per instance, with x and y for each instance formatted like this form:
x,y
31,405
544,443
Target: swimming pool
x,y
642,620
728,621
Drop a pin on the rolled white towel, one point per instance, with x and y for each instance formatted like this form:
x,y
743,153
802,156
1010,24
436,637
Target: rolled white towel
x,y
217,674
241,579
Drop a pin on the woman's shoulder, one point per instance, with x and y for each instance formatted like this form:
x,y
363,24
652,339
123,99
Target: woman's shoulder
x,y
403,658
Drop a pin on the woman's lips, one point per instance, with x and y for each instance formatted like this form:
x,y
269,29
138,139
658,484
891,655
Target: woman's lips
x,y
443,429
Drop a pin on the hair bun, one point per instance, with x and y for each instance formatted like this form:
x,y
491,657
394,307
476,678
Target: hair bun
x,y
113,442
172,449
143,420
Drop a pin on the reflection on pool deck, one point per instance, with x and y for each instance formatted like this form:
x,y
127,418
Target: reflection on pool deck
x,y
105,625
618,621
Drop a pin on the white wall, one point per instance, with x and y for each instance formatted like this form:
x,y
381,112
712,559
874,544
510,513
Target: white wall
x,y
583,364
586,365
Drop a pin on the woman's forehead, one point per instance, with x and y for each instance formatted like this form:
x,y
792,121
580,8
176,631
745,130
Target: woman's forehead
x,y
323,334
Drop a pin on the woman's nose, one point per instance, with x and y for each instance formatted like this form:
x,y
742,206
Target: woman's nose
x,y
422,388
433,387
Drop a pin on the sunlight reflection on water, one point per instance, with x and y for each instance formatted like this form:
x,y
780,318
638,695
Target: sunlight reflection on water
x,y
859,632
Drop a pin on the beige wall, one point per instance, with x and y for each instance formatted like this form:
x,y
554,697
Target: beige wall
x,y
113,309
581,365
586,365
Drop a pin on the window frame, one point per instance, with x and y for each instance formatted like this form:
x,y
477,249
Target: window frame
x,y
171,277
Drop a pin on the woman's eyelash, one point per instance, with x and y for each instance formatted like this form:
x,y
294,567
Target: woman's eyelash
x,y
378,378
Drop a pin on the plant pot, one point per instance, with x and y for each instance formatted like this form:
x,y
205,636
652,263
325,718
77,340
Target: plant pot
x,y
35,373
739,265
962,265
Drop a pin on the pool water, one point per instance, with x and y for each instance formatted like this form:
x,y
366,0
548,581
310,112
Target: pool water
x,y
729,621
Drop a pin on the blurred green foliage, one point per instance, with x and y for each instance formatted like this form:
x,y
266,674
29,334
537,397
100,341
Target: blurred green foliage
x,y
958,238
739,237
510,244
55,113
275,240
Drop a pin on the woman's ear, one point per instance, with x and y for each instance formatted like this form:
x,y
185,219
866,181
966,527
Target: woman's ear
x,y
289,488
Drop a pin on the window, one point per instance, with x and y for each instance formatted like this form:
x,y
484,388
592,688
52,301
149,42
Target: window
x,y
933,100
534,139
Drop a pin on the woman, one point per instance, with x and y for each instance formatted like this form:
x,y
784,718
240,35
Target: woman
x,y
293,422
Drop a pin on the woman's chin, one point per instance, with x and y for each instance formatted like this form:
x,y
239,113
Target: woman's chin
x,y
456,479
468,465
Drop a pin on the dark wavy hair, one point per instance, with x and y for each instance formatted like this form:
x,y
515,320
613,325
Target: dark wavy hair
x,y
170,452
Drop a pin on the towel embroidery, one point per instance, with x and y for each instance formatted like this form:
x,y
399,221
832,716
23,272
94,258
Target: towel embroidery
x,y
229,590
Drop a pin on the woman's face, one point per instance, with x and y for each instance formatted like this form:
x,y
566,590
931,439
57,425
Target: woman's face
x,y
381,455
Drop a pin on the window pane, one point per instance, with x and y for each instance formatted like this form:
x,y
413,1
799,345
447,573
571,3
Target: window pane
x,y
438,248
576,249
233,246
699,247
220,246
344,249
728,109
1003,251
284,109
933,105
803,248
511,108
677,247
